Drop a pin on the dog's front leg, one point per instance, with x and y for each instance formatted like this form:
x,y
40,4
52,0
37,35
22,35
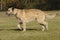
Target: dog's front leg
x,y
24,26
19,25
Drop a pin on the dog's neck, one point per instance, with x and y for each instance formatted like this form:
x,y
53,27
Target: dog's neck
x,y
14,11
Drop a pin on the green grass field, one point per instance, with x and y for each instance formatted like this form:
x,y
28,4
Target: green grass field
x,y
8,29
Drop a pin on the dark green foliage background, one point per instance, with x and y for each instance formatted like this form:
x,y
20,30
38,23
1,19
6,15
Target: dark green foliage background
x,y
35,4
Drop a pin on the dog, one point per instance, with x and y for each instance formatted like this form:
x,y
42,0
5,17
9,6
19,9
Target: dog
x,y
27,15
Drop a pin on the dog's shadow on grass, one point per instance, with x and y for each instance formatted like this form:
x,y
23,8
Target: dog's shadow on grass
x,y
10,29
18,29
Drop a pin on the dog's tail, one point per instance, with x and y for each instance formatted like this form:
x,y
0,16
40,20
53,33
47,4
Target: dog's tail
x,y
50,16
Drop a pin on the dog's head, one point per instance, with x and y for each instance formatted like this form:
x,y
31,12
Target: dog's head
x,y
9,11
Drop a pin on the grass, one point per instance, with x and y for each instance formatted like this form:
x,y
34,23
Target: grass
x,y
8,29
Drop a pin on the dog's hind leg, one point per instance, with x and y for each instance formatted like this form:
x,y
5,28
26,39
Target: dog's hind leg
x,y
44,25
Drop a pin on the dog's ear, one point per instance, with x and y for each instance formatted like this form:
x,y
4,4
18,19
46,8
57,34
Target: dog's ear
x,y
12,8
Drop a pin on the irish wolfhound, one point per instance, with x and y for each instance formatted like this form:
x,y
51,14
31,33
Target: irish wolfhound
x,y
27,15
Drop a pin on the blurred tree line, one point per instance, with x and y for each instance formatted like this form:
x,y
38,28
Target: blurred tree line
x,y
29,4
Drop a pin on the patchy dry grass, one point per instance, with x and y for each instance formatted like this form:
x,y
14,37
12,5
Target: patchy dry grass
x,y
8,29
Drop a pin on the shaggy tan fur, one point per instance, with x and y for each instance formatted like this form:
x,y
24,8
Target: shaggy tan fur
x,y
27,15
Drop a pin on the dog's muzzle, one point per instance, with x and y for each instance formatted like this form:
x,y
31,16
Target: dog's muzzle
x,y
7,14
